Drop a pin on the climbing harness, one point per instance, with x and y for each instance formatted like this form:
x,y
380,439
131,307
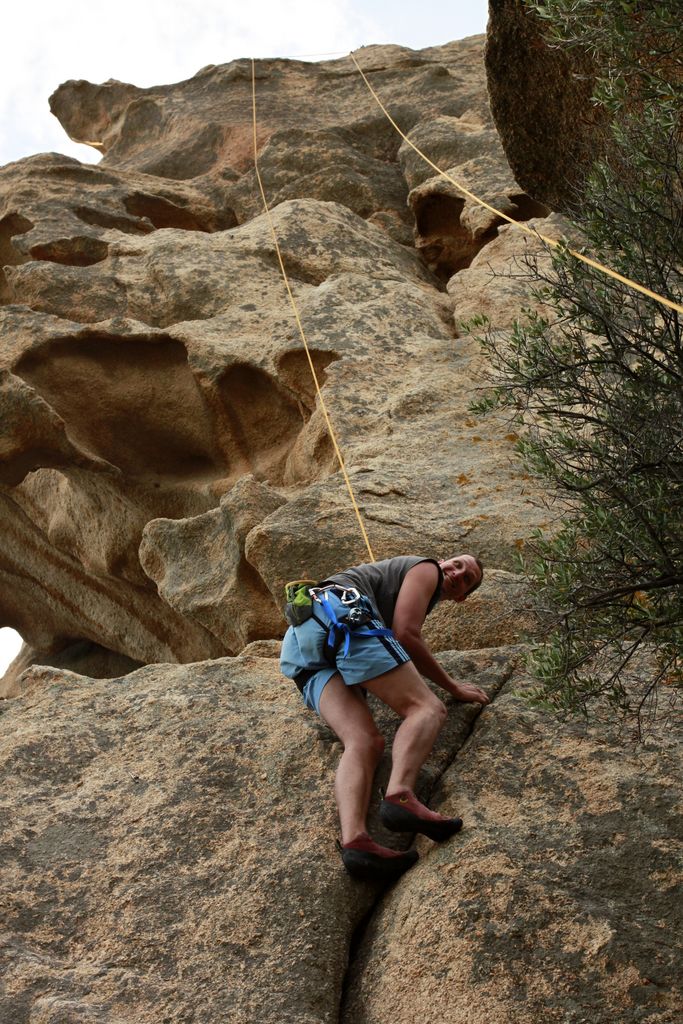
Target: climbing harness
x,y
358,613
553,243
304,597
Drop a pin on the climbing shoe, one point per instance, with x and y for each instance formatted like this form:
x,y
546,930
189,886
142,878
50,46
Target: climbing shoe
x,y
367,861
403,812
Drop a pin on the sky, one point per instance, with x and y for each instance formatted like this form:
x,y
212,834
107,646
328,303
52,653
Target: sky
x,y
156,42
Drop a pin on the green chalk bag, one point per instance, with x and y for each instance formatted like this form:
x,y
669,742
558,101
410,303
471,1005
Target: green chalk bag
x,y
299,606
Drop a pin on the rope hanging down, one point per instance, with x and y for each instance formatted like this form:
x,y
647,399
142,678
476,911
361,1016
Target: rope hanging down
x,y
299,324
520,227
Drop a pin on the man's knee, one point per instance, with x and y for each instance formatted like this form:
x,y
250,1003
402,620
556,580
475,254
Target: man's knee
x,y
441,711
432,708
366,744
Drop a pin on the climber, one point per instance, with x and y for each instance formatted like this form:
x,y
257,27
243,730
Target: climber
x,y
364,633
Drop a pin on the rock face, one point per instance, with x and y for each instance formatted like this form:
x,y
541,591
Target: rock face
x,y
560,902
168,834
541,104
166,467
168,855
168,851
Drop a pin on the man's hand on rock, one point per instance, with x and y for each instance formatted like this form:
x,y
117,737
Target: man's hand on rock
x,y
467,692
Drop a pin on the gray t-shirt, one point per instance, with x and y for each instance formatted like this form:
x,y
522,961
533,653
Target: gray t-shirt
x,y
381,582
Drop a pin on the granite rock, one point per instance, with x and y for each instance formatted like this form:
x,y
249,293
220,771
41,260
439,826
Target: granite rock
x,y
151,362
540,96
560,900
168,845
168,834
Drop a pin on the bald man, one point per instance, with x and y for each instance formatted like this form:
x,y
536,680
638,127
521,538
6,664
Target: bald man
x,y
383,652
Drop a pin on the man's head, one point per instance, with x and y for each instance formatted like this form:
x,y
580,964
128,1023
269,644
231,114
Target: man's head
x,y
461,575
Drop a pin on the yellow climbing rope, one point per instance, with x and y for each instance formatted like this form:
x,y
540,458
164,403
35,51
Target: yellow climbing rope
x,y
300,325
553,243
520,227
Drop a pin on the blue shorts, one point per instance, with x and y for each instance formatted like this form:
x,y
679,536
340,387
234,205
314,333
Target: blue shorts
x,y
367,657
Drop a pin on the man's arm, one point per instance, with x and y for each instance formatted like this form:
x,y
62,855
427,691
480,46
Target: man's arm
x,y
410,612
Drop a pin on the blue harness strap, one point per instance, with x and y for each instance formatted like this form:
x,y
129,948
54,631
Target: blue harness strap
x,y
340,632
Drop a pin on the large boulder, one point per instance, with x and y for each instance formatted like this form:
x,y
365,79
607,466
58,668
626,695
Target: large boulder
x,y
561,901
169,845
540,96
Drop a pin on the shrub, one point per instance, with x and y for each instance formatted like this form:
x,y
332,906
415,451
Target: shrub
x,y
596,385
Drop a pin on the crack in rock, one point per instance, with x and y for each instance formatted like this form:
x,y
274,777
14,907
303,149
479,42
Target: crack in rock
x,y
425,789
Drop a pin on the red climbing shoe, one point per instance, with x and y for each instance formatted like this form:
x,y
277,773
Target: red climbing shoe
x,y
403,812
367,861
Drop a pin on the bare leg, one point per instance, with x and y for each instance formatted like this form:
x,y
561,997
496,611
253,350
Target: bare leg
x,y
423,715
345,711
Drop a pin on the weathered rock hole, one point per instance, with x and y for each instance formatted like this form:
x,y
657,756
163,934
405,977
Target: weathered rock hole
x,y
164,214
79,251
16,467
268,429
90,659
131,401
10,645
444,244
294,371
263,421
119,222
10,225
528,208
439,215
